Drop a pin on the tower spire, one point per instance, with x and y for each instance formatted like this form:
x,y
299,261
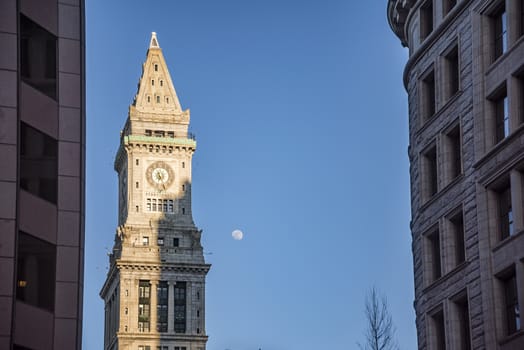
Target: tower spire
x,y
156,95
153,43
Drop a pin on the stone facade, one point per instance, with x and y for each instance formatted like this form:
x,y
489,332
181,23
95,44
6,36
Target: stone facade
x,y
465,84
155,289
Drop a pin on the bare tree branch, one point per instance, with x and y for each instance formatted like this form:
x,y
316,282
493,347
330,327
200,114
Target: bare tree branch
x,y
380,331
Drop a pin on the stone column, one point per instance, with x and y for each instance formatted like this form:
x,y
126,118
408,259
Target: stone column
x,y
513,14
171,307
153,300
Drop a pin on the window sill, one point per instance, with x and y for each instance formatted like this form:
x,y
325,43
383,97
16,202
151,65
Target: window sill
x,y
441,192
507,241
450,101
508,338
445,277
499,145
492,66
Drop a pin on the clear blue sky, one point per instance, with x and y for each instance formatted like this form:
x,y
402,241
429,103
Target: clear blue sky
x,y
301,122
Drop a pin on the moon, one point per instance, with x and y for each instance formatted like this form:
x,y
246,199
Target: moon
x,y
237,235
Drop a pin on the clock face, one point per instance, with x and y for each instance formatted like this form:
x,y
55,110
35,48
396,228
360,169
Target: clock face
x,y
160,175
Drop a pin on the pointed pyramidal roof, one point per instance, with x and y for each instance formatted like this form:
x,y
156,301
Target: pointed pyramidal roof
x,y
156,93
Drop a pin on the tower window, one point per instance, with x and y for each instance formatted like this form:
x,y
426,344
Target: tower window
x,y
176,242
183,164
136,184
156,67
137,162
137,208
145,241
160,241
152,82
167,99
148,132
183,187
180,307
148,99
171,134
183,210
161,83
162,306
158,99
144,305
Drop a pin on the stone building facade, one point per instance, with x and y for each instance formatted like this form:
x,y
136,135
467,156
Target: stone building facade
x,y
465,84
154,293
42,173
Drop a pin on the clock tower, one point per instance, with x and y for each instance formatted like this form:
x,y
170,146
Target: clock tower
x,y
154,293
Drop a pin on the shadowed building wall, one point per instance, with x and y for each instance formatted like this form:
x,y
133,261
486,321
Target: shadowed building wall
x,y
42,168
465,84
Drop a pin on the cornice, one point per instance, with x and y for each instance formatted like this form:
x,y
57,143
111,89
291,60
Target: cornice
x,y
397,13
164,267
159,143
163,336
176,141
